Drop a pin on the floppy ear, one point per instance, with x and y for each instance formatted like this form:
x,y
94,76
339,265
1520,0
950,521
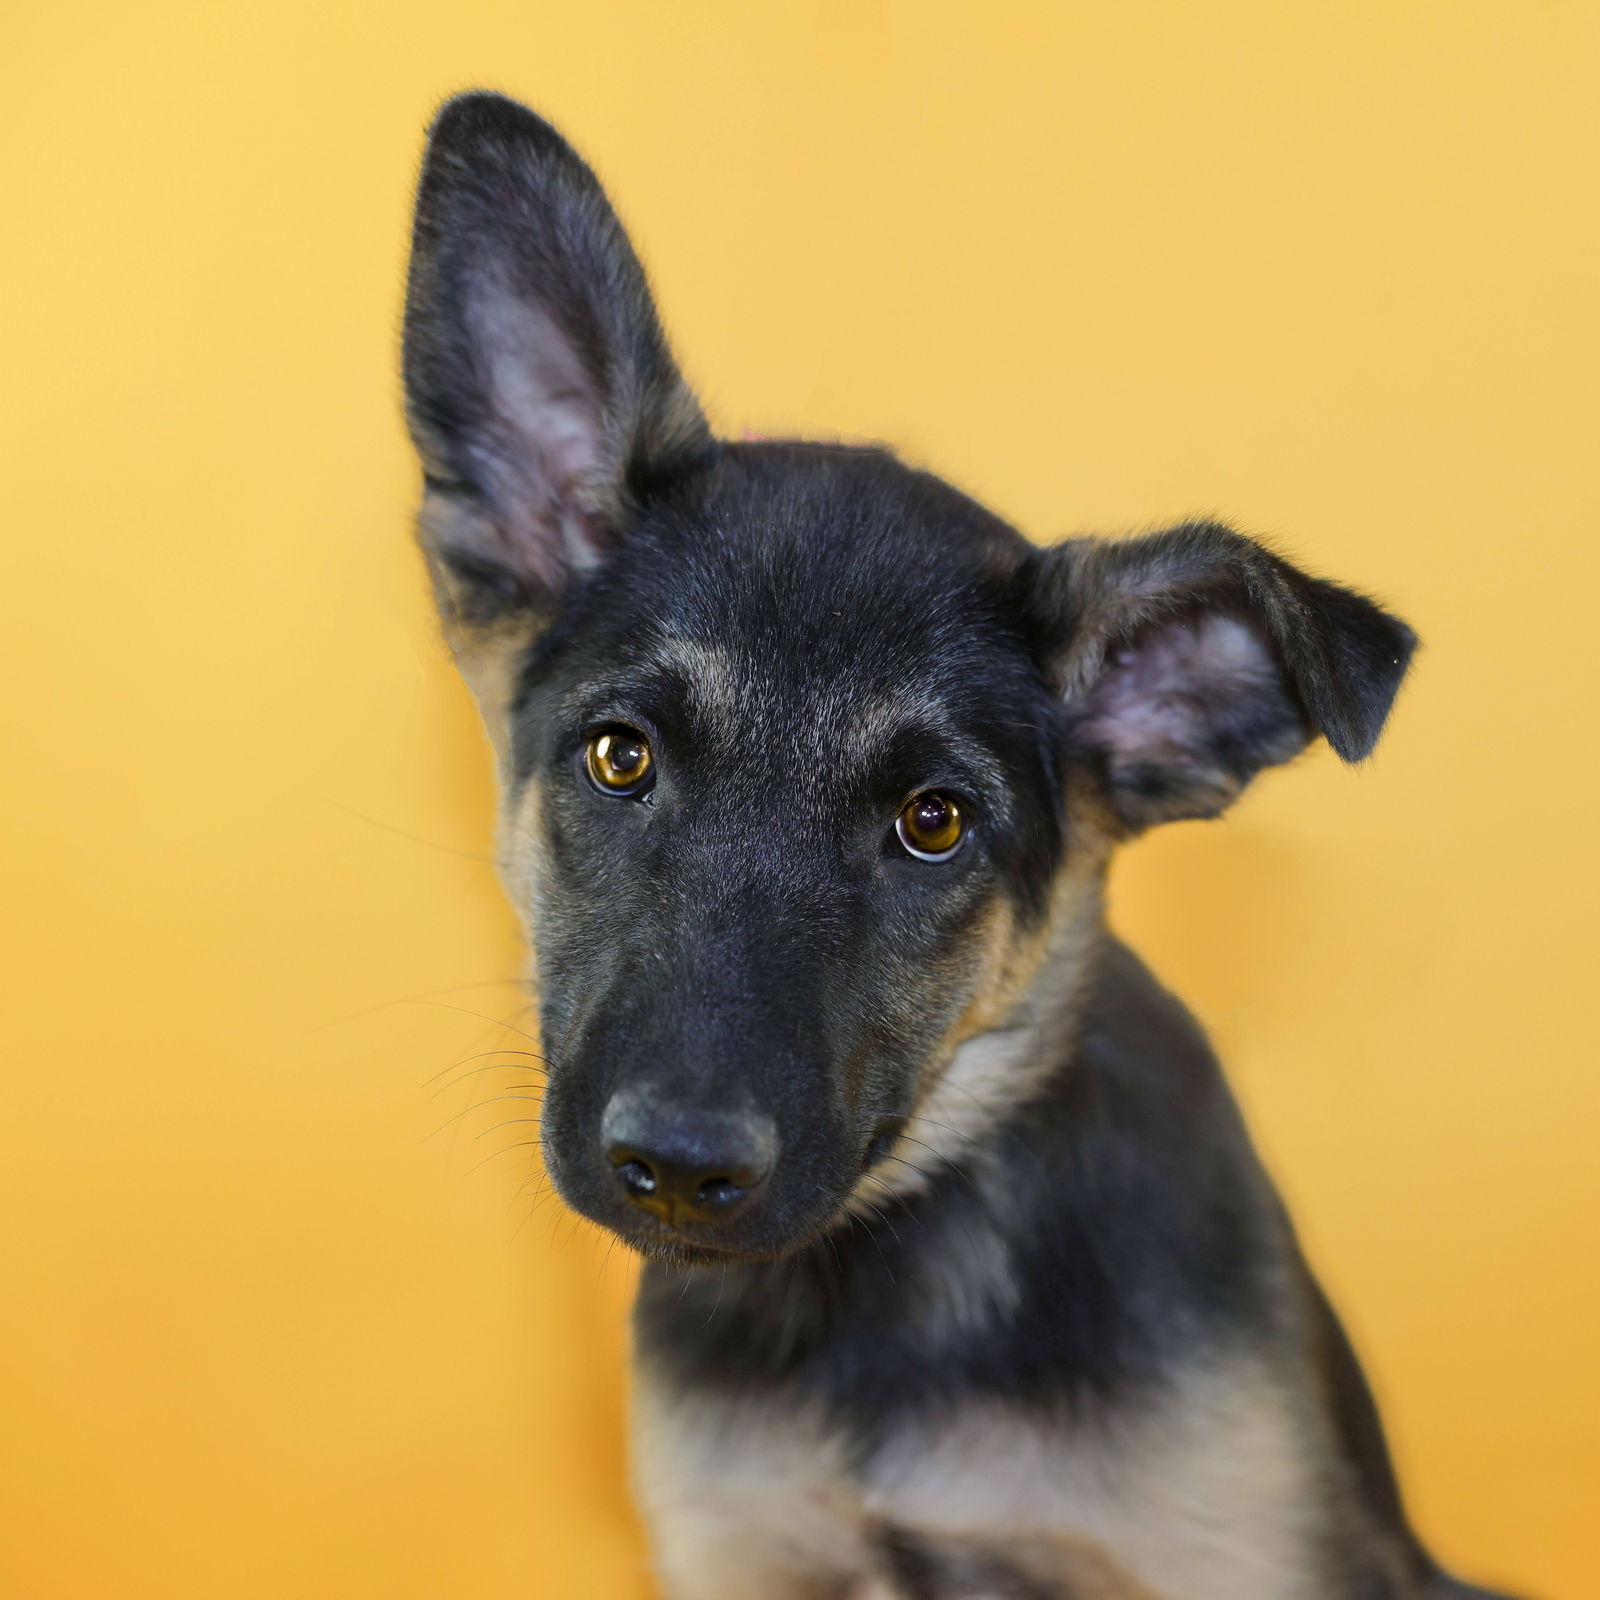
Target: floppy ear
x,y
1191,659
540,392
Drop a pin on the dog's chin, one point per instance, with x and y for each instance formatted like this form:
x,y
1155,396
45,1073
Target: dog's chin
x,y
680,1247
689,1247
684,1253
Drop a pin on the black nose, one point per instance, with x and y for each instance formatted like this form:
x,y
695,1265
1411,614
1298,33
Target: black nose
x,y
684,1165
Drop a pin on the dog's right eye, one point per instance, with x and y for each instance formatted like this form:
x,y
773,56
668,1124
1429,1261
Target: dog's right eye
x,y
619,761
931,826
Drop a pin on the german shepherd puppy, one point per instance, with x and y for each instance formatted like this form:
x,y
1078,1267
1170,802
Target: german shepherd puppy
x,y
964,1279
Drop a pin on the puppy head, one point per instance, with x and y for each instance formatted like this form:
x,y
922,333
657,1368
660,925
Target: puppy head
x,y
804,754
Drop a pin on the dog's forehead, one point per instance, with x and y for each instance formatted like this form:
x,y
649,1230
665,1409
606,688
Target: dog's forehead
x,y
838,654
769,678
836,708
825,602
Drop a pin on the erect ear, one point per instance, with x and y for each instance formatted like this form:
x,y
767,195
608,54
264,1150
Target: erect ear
x,y
1191,659
540,392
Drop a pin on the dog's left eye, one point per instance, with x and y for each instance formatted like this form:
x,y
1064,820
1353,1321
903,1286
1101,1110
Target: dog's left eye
x,y
931,826
619,761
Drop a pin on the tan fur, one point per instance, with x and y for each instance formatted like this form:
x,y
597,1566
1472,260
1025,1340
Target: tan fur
x,y
746,1503
975,1569
762,1508
487,655
521,847
991,1060
1198,1494
865,726
718,684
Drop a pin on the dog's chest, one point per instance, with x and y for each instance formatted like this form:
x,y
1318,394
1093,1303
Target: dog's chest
x,y
1201,1493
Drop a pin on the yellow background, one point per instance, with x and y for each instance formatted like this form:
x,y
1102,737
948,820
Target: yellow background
x,y
1328,269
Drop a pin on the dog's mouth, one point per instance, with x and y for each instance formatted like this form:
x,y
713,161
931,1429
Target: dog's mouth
x,y
674,1250
678,1247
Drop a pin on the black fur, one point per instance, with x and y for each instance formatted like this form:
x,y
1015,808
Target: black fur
x,y
808,636
516,253
1137,1217
760,829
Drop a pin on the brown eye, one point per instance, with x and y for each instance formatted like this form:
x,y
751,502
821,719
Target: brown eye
x,y
931,826
619,760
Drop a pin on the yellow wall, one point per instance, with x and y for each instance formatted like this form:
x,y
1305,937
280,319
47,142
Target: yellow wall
x,y
1328,269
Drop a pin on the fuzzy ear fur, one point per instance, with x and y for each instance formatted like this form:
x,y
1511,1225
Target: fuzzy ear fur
x,y
1191,659
540,391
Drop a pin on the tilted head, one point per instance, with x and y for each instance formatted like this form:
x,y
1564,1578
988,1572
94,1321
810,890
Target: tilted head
x,y
809,762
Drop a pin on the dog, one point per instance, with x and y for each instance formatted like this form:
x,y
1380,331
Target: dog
x,y
963,1279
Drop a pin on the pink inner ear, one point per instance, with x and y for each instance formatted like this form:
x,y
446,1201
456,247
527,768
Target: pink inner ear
x,y
548,435
1159,695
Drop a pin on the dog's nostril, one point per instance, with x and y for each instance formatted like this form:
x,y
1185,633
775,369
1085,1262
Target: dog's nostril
x,y
719,1191
636,1176
700,1166
679,1191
